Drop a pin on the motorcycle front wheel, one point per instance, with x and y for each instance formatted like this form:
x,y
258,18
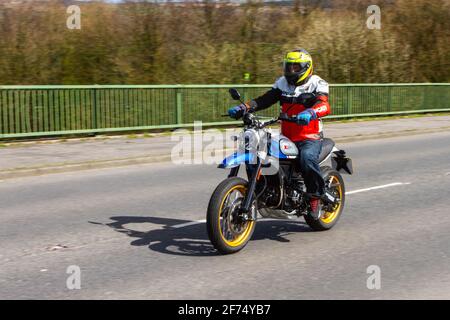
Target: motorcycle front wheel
x,y
227,231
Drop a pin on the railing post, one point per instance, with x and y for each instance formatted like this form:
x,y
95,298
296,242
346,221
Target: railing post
x,y
389,109
349,100
424,99
179,110
94,108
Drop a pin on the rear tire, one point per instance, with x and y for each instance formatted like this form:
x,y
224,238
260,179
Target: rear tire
x,y
225,231
329,219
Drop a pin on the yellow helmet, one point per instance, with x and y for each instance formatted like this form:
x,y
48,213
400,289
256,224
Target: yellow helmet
x,y
297,66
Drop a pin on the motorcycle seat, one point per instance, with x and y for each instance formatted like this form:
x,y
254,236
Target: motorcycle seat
x,y
327,146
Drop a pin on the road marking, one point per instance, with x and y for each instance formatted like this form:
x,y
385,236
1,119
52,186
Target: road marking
x,y
347,193
378,187
188,224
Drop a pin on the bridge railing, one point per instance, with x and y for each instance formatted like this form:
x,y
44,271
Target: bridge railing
x,y
27,111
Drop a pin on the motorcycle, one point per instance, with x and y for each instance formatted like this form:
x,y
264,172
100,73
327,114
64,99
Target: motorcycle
x,y
274,187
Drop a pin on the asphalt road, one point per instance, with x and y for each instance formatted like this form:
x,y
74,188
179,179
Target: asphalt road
x,y
121,227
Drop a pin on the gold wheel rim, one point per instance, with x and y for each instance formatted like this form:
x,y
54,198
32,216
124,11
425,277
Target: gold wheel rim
x,y
242,236
330,216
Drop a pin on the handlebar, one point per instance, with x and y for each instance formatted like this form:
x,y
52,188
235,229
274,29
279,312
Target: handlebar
x,y
282,117
285,117
252,120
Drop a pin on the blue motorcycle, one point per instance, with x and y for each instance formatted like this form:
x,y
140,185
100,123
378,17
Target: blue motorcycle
x,y
274,187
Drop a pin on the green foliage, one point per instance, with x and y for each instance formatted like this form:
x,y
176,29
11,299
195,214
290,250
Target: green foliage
x,y
145,43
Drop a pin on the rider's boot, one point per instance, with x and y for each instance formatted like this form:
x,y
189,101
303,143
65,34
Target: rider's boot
x,y
315,206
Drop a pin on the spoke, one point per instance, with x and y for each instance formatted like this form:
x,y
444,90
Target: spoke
x,y
236,195
231,204
223,227
330,181
334,185
224,215
229,231
228,200
226,231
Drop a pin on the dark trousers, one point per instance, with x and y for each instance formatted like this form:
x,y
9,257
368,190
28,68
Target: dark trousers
x,y
309,165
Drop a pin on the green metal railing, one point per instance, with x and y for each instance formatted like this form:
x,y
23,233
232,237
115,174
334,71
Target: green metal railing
x,y
27,111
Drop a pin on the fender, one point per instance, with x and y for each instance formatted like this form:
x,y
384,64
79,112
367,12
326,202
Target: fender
x,y
341,162
236,159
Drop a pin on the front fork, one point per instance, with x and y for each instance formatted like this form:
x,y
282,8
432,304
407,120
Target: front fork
x,y
252,174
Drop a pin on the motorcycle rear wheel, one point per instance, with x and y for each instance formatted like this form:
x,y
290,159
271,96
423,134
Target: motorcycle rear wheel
x,y
334,183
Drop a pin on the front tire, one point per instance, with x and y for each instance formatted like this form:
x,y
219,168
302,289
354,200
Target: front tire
x,y
226,231
335,185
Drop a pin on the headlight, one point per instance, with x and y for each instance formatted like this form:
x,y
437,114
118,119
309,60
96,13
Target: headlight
x,y
252,140
249,140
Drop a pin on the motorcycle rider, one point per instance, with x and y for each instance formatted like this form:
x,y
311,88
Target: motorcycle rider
x,y
304,96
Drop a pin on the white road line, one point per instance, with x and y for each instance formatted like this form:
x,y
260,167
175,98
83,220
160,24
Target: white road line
x,y
188,224
347,193
378,187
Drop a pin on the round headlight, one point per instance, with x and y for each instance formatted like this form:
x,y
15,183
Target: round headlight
x,y
251,139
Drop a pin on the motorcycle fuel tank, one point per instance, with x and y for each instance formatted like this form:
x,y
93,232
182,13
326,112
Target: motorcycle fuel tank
x,y
283,148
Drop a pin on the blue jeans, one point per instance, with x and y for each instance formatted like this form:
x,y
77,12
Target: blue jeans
x,y
309,151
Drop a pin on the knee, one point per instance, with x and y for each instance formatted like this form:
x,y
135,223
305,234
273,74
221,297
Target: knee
x,y
308,156
307,161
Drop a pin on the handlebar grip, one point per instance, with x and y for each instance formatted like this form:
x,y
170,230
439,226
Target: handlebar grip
x,y
285,117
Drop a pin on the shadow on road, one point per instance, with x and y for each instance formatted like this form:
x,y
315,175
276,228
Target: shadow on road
x,y
192,240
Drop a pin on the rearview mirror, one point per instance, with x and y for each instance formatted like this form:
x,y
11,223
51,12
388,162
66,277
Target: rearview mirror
x,y
235,94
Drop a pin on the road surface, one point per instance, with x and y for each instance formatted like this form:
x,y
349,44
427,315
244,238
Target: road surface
x,y
134,232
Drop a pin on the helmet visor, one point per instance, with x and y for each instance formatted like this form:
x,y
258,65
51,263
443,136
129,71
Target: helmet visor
x,y
297,68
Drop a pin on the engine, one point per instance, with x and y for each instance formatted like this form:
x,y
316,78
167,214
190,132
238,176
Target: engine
x,y
288,198
293,196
